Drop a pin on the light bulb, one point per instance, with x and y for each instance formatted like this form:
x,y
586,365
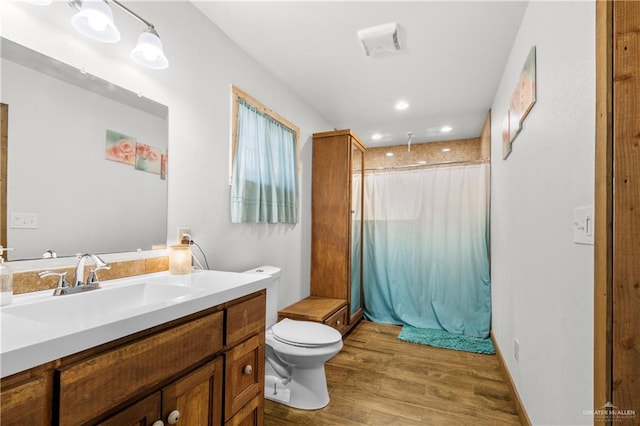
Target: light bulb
x,y
150,54
97,22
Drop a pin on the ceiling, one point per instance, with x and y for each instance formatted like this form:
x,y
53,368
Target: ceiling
x,y
448,69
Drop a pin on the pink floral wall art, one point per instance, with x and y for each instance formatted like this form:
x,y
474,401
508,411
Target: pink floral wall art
x,y
120,148
148,158
163,166
506,138
524,95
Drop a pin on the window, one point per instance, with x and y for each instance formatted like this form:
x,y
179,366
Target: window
x,y
264,164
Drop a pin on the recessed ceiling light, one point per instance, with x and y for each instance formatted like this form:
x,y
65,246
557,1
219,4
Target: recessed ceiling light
x,y
376,136
446,149
402,105
389,154
446,129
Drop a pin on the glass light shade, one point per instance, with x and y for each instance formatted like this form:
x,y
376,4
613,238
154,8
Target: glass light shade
x,y
148,52
95,20
180,260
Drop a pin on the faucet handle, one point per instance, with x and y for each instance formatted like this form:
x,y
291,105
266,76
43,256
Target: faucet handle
x,y
62,280
93,276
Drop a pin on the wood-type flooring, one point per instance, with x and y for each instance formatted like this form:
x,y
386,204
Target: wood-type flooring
x,y
379,380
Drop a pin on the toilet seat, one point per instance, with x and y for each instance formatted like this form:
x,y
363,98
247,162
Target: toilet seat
x,y
305,333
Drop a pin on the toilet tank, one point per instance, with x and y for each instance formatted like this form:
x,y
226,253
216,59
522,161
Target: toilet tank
x,y
272,291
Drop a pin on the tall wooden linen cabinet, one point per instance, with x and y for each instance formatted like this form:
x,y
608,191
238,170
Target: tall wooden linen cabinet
x,y
336,220
336,233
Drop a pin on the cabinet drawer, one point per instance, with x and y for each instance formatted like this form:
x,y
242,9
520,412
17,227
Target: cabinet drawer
x,y
338,320
251,414
97,384
244,374
245,319
26,403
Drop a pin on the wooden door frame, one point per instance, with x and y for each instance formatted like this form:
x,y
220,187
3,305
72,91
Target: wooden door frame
x,y
615,159
603,213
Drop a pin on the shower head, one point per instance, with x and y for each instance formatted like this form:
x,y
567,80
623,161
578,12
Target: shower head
x,y
409,135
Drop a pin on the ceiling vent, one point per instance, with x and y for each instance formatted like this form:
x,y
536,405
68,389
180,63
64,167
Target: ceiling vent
x,y
380,39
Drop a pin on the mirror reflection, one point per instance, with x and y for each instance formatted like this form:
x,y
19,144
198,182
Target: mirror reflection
x,y
86,161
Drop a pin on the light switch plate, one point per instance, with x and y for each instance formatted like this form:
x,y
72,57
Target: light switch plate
x,y
583,225
23,220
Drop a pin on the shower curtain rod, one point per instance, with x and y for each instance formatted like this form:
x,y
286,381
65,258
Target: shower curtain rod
x,y
416,165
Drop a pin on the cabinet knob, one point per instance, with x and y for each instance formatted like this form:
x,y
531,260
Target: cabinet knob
x,y
248,369
158,423
173,417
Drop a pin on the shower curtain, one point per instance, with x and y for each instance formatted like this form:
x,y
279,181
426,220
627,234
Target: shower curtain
x,y
426,257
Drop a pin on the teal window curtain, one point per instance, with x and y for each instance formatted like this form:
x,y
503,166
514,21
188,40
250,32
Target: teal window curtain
x,y
264,186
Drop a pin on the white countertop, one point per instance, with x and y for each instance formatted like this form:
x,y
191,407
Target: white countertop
x,y
28,342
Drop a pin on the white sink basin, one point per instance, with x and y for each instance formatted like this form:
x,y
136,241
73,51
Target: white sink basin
x,y
98,306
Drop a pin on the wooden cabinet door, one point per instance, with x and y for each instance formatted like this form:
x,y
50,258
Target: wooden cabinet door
x,y
251,414
197,396
142,413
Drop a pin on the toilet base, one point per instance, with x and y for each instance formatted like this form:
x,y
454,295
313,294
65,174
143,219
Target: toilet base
x,y
307,389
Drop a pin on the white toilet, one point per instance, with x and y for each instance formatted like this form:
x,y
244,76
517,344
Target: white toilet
x,y
295,354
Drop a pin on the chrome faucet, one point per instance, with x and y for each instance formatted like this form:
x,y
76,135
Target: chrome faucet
x,y
78,285
78,281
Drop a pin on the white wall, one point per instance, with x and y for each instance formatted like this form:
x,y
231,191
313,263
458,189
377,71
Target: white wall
x,y
542,282
196,87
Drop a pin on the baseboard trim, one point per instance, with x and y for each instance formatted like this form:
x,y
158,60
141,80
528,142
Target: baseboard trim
x,y
522,413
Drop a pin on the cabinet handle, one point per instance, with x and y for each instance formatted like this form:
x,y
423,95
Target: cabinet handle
x,y
173,417
338,322
248,369
158,423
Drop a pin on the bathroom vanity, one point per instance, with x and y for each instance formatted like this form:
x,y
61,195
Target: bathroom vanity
x,y
196,356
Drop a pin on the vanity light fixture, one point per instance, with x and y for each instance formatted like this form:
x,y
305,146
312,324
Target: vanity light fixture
x,y
94,19
148,51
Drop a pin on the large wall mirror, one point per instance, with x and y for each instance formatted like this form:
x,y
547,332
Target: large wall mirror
x,y
86,160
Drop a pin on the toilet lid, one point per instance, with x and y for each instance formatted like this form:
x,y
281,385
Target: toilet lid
x,y
305,333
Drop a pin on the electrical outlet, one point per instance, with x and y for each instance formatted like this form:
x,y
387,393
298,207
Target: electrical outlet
x,y
516,349
182,231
